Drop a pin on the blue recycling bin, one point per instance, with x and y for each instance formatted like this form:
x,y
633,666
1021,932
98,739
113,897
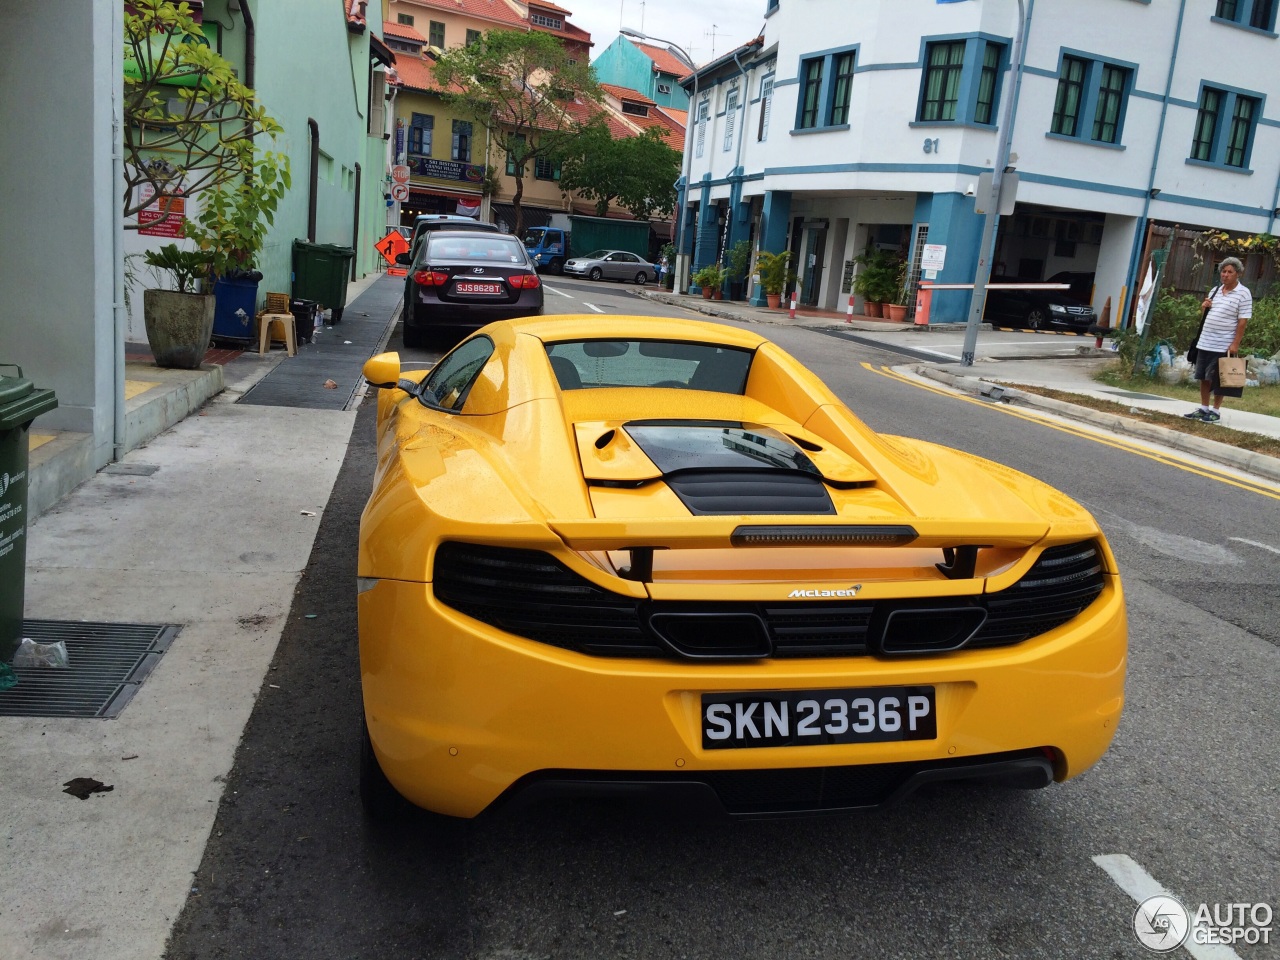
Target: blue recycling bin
x,y
235,305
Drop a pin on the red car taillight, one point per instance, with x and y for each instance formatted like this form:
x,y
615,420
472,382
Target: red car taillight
x,y
525,281
430,278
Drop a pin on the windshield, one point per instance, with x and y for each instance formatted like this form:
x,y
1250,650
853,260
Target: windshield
x,y
681,365
534,237
595,255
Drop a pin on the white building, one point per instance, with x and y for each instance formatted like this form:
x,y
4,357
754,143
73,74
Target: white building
x,y
854,121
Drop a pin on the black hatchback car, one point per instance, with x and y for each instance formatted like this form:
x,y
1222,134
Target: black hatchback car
x,y
1042,309
462,280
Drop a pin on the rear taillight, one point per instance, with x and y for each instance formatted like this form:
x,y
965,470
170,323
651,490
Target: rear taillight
x,y
525,281
430,278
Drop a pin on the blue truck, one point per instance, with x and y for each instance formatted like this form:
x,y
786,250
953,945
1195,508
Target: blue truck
x,y
551,246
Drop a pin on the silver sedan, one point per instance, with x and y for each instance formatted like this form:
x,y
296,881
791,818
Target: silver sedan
x,y
612,265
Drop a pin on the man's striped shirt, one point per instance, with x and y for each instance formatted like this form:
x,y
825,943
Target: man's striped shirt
x,y
1226,311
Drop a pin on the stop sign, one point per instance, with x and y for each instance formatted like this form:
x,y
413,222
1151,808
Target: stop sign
x,y
400,173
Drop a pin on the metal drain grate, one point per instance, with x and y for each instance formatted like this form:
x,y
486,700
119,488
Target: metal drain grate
x,y
108,663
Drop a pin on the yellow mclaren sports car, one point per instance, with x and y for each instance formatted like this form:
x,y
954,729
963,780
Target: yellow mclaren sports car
x,y
629,555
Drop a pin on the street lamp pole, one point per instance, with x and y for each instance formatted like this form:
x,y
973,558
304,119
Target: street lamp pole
x,y
985,251
679,284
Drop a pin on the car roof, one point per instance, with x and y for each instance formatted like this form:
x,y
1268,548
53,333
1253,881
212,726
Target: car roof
x,y
470,235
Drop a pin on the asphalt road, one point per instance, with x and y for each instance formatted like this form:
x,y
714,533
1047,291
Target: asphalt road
x,y
1188,791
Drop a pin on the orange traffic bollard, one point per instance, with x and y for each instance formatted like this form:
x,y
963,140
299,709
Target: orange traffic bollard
x,y
1103,327
792,314
848,314
924,299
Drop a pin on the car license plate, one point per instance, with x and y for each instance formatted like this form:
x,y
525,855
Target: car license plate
x,y
471,286
796,718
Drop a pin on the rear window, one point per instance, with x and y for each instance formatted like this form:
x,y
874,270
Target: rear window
x,y
674,364
478,246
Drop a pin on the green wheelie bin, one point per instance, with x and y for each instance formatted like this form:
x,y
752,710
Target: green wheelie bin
x,y
20,403
320,272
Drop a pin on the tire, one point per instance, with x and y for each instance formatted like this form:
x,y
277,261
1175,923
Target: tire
x,y
381,802
413,338
595,274
642,278
1037,319
557,267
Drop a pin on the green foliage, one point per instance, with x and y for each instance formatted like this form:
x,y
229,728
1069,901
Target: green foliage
x,y
711,276
189,123
739,259
775,270
878,281
1177,318
636,171
233,220
521,87
183,266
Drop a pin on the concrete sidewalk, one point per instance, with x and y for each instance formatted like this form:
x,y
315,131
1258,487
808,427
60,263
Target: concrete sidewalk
x,y
209,526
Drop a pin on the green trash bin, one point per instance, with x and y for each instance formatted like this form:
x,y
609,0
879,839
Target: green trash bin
x,y
320,272
20,403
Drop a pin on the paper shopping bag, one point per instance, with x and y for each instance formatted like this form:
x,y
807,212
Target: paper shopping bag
x,y
1231,372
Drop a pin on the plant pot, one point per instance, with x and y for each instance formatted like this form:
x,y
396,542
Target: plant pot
x,y
717,294
179,326
773,299
873,309
706,293
897,311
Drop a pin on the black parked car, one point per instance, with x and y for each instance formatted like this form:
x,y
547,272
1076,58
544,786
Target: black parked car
x,y
461,280
1043,309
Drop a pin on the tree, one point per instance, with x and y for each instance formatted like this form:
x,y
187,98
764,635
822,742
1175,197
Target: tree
x,y
189,123
523,89
638,171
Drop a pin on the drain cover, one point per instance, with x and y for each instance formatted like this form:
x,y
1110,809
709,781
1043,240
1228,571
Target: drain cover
x,y
131,469
108,662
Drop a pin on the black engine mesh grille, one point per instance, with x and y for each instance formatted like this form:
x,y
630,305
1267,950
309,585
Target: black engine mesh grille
x,y
531,594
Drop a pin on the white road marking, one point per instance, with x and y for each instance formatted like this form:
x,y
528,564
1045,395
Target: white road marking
x,y
1255,543
592,306
558,293
1138,884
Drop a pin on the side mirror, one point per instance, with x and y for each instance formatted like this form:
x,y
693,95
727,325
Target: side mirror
x,y
383,371
403,259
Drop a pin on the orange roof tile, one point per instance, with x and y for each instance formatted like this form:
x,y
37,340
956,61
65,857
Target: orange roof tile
x,y
417,73
543,5
496,10
679,117
626,93
400,31
664,60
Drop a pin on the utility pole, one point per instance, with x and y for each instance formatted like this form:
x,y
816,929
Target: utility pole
x,y
986,245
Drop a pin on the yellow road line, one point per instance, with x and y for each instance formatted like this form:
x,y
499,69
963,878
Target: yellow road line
x,y
1117,443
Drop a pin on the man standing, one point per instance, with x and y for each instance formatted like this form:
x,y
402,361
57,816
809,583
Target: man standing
x,y
1229,310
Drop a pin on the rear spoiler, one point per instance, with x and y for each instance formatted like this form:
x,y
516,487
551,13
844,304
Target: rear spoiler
x,y
718,532
958,540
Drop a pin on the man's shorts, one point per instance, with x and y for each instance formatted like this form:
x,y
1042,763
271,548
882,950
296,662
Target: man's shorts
x,y
1207,366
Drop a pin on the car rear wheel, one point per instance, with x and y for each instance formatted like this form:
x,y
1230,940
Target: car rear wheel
x,y
414,338
1037,319
642,278
595,274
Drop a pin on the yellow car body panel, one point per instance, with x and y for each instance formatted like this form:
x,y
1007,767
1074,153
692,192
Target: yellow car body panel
x,y
459,710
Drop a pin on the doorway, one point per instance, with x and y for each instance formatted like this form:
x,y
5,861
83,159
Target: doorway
x,y
815,249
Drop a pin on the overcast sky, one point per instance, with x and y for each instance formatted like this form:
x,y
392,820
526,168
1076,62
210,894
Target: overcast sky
x,y
687,23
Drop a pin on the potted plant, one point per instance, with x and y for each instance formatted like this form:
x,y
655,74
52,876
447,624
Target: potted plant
x,y
775,273
739,260
897,308
231,228
710,278
179,321
876,281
